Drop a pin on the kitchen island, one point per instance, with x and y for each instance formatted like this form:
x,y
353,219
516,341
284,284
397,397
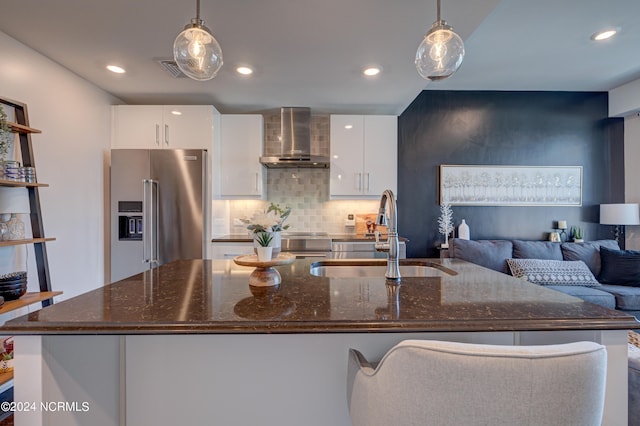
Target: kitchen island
x,y
193,338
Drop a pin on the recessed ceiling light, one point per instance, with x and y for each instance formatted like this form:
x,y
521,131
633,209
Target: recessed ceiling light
x,y
605,34
348,126
244,70
116,69
371,71
176,112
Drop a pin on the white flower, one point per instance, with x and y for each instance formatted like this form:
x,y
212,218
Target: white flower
x,y
265,220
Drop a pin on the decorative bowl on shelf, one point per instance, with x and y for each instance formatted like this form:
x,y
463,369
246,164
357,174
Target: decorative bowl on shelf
x,y
13,285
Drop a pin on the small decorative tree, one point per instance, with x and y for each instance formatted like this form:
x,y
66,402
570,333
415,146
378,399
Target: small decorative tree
x,y
445,222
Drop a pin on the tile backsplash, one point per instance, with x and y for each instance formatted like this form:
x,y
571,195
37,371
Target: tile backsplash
x,y
306,191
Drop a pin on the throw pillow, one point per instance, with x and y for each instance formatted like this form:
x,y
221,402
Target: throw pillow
x,y
620,267
588,252
553,272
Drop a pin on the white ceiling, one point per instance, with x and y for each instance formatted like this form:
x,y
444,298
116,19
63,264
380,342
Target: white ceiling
x,y
310,52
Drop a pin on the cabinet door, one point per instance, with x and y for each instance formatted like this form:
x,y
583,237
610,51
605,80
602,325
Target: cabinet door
x,y
380,154
187,127
347,156
240,171
136,127
231,250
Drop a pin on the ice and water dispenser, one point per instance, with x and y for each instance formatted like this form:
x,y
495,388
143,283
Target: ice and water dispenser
x,y
129,220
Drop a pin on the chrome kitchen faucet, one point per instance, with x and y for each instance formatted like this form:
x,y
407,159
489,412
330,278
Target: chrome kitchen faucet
x,y
391,246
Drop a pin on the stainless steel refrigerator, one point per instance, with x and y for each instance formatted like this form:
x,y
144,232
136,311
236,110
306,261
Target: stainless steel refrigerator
x,y
159,208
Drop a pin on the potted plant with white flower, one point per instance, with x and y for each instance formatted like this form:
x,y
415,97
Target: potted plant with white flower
x,y
271,222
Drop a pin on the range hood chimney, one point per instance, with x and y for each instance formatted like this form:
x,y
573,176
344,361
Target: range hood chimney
x,y
295,141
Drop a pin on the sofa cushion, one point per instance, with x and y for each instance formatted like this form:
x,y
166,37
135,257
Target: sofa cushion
x,y
627,297
588,252
536,250
620,267
553,272
488,253
588,294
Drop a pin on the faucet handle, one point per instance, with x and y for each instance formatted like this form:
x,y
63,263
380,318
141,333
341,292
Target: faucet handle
x,y
381,246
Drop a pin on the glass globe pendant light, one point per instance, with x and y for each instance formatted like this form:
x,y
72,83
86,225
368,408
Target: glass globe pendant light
x,y
196,52
441,52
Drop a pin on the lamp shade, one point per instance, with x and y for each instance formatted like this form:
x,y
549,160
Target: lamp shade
x,y
619,214
14,200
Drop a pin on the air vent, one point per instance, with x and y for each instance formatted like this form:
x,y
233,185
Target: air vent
x,y
171,68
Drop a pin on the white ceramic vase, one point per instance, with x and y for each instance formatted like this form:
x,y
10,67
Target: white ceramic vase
x,y
264,253
463,230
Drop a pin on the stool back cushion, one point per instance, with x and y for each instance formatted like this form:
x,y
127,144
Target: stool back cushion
x,y
422,382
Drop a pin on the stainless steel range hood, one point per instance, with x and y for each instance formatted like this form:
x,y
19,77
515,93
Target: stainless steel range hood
x,y
296,141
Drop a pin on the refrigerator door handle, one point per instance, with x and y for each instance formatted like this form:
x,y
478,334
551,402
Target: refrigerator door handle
x,y
153,222
145,222
150,247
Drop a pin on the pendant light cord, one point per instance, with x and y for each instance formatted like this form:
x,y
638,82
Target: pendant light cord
x,y
438,3
198,10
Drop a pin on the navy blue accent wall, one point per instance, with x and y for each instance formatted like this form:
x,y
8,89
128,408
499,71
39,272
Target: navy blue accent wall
x,y
506,128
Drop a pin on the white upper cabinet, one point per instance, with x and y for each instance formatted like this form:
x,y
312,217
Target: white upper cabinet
x,y
162,126
241,176
364,155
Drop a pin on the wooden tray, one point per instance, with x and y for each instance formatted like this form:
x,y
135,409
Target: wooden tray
x,y
252,260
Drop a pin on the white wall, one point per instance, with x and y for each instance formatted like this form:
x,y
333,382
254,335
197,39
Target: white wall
x,y
74,117
624,100
632,174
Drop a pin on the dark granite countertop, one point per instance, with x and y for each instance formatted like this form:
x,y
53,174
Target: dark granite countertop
x,y
203,296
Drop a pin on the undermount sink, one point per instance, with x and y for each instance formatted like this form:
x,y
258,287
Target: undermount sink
x,y
376,268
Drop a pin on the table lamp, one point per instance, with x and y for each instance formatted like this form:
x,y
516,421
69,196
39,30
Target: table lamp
x,y
619,215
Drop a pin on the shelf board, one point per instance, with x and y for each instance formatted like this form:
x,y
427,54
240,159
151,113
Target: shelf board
x,y
20,242
21,128
4,182
26,300
5,377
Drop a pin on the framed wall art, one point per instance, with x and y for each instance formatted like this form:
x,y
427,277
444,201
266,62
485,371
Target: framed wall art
x,y
511,185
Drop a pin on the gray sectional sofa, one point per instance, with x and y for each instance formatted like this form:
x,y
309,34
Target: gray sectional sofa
x,y
493,254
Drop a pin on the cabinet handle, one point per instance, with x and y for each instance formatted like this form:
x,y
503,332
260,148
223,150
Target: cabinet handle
x,y
257,190
368,181
358,177
158,134
166,134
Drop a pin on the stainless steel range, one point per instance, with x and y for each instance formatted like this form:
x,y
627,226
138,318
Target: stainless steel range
x,y
307,244
322,245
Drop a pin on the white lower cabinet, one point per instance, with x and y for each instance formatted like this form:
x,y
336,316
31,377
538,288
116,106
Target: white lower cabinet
x,y
364,156
230,250
240,174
